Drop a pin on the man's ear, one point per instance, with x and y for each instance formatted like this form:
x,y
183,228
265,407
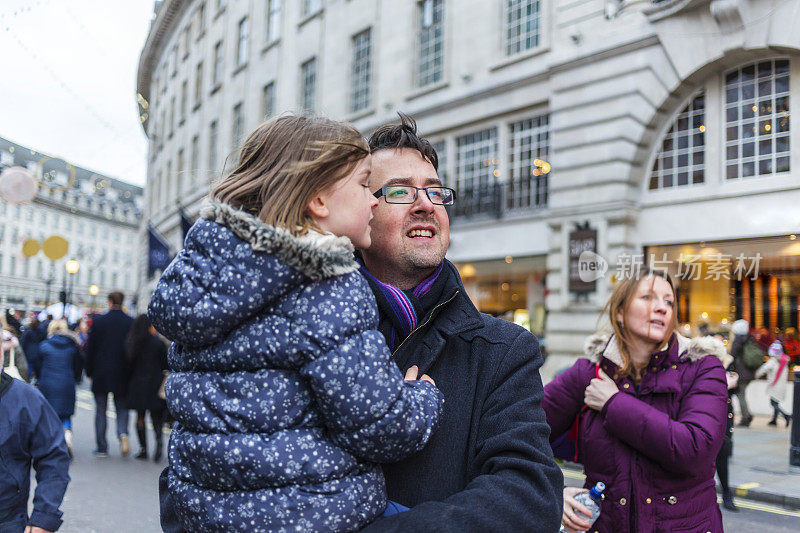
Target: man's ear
x,y
318,207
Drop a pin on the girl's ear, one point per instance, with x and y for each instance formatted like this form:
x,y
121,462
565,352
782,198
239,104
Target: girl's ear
x,y
318,207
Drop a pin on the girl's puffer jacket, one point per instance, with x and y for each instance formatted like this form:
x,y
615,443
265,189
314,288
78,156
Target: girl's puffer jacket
x,y
284,392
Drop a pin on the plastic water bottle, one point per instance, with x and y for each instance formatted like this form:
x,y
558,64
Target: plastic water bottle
x,y
591,500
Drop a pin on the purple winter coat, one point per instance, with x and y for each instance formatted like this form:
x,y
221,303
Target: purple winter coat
x,y
655,448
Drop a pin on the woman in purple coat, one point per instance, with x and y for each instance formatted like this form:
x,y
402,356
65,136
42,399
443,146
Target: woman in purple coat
x,y
654,417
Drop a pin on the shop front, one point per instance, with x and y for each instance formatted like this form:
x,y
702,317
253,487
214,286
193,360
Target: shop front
x,y
511,288
757,280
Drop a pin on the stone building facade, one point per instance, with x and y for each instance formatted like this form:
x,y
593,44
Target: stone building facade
x,y
629,128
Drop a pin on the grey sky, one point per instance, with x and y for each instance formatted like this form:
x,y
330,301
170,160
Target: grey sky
x,y
68,87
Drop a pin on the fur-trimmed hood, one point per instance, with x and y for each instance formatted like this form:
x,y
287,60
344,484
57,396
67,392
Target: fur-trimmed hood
x,y
232,267
605,345
314,254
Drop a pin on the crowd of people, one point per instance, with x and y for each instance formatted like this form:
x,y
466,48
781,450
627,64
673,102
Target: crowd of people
x,y
49,358
329,372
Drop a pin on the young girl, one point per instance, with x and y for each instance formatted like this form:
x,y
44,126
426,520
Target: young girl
x,y
284,392
776,368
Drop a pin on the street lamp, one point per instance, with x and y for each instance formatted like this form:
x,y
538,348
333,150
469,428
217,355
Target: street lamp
x,y
93,290
71,267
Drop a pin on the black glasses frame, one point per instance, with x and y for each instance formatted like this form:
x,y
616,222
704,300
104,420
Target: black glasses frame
x,y
382,192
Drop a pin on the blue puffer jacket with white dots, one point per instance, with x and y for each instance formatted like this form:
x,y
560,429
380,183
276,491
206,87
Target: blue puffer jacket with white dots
x,y
283,390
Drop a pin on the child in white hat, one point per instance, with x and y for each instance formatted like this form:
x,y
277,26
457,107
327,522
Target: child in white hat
x,y
776,369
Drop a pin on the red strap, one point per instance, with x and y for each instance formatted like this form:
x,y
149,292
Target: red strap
x,y
575,430
784,361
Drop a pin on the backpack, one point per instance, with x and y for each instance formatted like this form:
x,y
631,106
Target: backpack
x,y
752,354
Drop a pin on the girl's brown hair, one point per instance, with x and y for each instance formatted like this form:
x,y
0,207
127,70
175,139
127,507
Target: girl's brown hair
x,y
284,163
620,301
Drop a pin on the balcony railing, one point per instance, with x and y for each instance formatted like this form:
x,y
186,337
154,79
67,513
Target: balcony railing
x,y
493,200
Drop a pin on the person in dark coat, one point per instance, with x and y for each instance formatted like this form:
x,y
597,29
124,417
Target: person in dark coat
x,y
725,452
32,335
30,435
489,466
106,367
147,361
741,334
59,367
651,408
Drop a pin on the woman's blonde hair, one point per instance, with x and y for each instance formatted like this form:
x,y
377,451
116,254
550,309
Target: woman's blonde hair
x,y
56,325
620,301
287,161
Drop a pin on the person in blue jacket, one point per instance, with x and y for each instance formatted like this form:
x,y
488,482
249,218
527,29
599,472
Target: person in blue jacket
x,y
30,434
59,366
284,393
489,467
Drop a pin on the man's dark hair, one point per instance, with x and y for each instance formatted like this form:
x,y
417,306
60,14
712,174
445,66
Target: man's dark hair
x,y
403,135
116,298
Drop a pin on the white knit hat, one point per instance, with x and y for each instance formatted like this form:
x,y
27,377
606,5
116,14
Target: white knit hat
x,y
775,349
740,327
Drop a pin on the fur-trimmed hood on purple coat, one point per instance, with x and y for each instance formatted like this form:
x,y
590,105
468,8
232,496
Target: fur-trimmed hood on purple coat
x,y
654,444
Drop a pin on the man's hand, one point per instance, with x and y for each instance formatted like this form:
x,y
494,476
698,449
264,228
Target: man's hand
x,y
34,529
411,375
599,391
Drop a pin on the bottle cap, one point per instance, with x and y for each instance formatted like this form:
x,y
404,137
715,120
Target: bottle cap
x,y
596,492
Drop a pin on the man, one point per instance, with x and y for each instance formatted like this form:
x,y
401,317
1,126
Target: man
x,y
105,366
30,435
741,332
489,466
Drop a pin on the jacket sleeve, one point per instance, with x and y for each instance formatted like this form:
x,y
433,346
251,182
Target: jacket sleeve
x,y
51,463
693,437
765,368
367,407
91,348
518,486
563,398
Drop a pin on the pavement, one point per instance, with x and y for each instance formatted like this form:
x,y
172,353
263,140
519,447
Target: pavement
x,y
759,467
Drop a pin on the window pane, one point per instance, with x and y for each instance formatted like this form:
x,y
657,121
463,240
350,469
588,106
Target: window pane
x,y
685,137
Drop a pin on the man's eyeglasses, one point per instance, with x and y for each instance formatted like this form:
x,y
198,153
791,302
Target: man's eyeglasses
x,y
407,194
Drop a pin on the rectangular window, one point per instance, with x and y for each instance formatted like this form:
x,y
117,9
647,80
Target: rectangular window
x,y
179,172
212,146
218,64
476,173
529,151
440,147
198,84
184,97
241,47
430,42
195,163
169,185
201,20
273,20
238,126
757,119
522,25
311,6
187,39
308,84
361,71
268,100
171,116
174,61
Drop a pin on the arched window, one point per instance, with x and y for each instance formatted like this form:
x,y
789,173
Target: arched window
x,y
757,119
681,158
745,112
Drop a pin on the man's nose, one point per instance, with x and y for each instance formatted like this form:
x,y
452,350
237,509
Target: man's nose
x,y
423,203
